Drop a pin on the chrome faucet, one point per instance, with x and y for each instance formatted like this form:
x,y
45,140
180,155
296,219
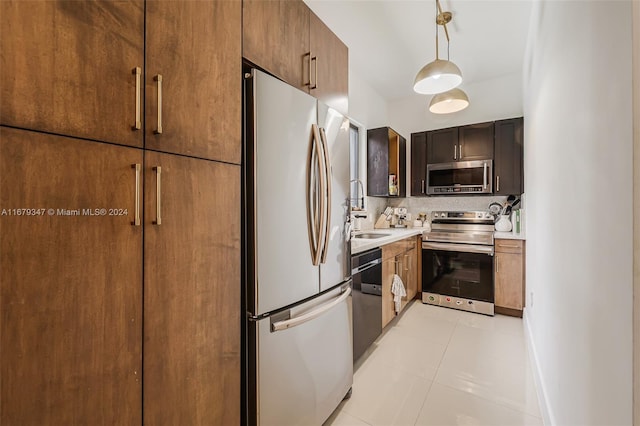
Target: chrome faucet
x,y
361,191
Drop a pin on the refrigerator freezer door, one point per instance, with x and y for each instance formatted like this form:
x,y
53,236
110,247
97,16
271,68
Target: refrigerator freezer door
x,y
336,267
282,141
304,371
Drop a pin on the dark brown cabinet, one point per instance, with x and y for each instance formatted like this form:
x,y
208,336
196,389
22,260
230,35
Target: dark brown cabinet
x,y
70,282
288,40
386,162
419,164
442,145
508,159
191,291
192,83
464,143
67,68
475,142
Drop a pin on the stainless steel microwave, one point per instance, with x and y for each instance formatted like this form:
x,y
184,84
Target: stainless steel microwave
x,y
461,177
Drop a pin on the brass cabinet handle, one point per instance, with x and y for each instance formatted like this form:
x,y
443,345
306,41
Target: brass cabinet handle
x,y
455,152
137,71
158,80
497,268
408,268
158,171
497,183
314,59
136,220
508,245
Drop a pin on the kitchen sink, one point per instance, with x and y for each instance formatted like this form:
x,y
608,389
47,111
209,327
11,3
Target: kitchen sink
x,y
370,236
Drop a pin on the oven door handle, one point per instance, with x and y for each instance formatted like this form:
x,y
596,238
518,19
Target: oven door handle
x,y
465,248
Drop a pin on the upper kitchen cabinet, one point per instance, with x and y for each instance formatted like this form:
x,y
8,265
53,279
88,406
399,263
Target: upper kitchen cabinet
x,y
330,66
386,163
464,143
475,142
442,145
419,164
508,160
286,39
276,38
193,85
73,68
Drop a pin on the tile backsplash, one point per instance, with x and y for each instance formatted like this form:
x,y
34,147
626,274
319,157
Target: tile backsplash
x,y
415,205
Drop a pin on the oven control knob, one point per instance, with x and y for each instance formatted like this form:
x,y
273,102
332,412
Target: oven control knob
x,y
458,302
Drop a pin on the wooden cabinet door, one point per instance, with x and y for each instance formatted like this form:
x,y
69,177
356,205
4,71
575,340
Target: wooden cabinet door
x,y
330,68
67,67
475,142
412,274
508,281
70,282
508,160
276,38
195,47
442,145
388,306
419,164
191,291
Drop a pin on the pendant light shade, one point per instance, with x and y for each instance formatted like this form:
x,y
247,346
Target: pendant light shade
x,y
452,101
437,77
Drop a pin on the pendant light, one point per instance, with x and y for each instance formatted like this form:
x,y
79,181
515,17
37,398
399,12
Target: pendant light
x,y
440,75
450,101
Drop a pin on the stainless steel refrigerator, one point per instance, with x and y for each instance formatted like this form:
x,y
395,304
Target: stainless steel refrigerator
x,y
297,256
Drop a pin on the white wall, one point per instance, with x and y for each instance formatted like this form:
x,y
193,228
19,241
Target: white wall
x,y
578,153
489,100
366,106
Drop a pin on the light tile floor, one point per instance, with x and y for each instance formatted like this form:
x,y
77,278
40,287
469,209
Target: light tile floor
x,y
438,366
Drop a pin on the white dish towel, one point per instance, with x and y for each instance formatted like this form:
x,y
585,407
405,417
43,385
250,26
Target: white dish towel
x,y
398,290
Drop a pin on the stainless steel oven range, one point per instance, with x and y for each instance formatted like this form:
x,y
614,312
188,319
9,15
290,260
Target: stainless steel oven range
x,y
457,261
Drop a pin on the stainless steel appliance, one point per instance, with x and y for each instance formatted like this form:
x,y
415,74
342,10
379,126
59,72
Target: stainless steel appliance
x,y
457,261
461,177
367,299
297,257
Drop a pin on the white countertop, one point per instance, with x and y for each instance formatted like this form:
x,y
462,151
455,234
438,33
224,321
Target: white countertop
x,y
395,234
508,236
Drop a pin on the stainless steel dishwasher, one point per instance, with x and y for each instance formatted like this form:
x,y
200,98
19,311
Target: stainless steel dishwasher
x,y
367,299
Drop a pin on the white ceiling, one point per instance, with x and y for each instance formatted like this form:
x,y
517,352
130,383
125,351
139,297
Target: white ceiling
x,y
390,40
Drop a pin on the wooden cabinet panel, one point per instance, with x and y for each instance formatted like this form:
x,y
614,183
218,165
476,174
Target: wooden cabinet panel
x,y
196,47
442,146
276,38
509,276
508,160
331,81
70,284
419,164
67,67
475,142
192,292
388,306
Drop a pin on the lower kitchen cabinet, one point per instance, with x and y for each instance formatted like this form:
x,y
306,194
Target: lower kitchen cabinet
x,y
70,283
509,277
191,291
76,283
399,258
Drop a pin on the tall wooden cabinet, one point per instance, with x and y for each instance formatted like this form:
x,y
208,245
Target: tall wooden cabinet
x,y
77,284
287,39
191,291
70,283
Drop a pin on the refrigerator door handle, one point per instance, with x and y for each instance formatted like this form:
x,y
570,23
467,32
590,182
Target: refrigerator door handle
x,y
327,193
308,316
315,199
